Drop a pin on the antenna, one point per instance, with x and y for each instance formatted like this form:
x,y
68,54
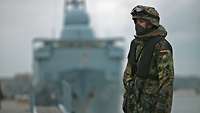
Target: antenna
x,y
53,29
75,3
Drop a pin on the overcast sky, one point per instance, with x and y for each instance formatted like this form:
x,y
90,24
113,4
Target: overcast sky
x,y
23,20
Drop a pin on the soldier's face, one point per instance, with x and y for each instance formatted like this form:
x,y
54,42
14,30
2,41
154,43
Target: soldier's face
x,y
143,23
142,26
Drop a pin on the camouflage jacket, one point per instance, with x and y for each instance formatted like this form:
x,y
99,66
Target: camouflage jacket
x,y
146,95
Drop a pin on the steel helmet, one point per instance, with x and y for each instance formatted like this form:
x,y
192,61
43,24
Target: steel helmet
x,y
146,12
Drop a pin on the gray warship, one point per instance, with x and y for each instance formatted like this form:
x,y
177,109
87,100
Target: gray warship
x,y
78,72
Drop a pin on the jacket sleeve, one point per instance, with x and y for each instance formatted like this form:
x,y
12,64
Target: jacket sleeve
x,y
128,77
165,70
128,81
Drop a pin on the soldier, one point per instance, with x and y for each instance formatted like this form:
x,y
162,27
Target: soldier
x,y
149,74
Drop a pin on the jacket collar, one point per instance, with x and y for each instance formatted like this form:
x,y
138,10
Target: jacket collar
x,y
159,32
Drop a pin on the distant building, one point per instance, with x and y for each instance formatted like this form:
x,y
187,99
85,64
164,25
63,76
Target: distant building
x,y
20,84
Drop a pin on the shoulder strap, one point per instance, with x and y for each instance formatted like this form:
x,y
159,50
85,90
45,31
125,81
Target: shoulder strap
x,y
168,45
131,55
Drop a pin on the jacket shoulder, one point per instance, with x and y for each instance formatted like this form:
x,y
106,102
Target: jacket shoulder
x,y
131,48
163,45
